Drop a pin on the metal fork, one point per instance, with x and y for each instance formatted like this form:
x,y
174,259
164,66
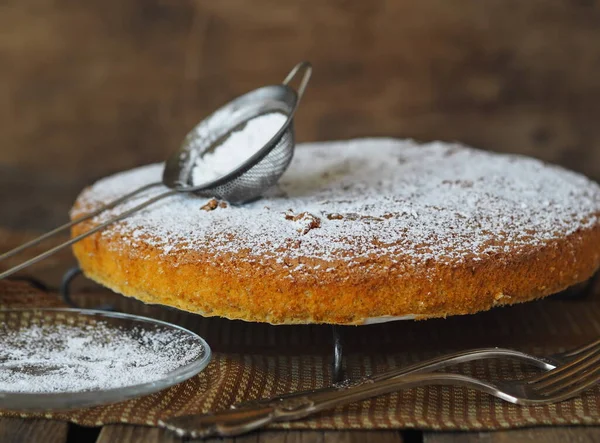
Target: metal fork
x,y
558,384
546,363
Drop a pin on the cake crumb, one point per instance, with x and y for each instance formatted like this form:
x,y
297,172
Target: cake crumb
x,y
211,205
306,220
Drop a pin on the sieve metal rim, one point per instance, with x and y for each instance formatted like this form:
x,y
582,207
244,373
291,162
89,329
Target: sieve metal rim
x,y
296,96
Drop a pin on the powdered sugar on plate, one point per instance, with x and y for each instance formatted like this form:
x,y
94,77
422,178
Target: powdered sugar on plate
x,y
70,358
357,199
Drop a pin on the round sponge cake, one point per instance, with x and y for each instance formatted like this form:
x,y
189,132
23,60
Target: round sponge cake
x,y
356,231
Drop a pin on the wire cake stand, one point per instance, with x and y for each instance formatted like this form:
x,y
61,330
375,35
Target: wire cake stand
x,y
338,350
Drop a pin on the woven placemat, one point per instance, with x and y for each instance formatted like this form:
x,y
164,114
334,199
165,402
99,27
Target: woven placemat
x,y
257,360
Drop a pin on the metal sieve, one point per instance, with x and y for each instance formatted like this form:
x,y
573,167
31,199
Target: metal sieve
x,y
262,169
246,182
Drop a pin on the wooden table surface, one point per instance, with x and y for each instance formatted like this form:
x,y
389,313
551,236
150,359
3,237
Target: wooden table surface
x,y
89,88
14,430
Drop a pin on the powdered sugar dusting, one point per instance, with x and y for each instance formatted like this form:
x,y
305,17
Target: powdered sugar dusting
x,y
74,358
238,147
357,199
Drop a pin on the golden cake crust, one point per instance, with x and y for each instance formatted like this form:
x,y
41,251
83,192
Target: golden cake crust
x,y
348,285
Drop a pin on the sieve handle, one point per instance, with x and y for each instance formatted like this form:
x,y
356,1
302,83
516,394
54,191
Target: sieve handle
x,y
74,240
76,221
302,66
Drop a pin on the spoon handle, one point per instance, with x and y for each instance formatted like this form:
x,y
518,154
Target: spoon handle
x,y
85,234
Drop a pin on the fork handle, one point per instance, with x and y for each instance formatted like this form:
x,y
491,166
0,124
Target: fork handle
x,y
233,422
430,365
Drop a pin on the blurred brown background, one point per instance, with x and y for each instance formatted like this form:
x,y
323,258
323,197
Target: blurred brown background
x,y
92,87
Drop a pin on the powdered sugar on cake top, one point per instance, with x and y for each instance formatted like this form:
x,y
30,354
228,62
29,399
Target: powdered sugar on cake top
x,y
354,199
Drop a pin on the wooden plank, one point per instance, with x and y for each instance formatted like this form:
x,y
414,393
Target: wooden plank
x,y
533,435
253,437
290,437
362,436
328,437
18,430
135,434
141,434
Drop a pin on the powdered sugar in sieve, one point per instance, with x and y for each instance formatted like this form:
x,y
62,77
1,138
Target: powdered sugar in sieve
x,y
237,148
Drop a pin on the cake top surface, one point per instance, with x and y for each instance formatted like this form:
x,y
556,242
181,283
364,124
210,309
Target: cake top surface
x,y
353,200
